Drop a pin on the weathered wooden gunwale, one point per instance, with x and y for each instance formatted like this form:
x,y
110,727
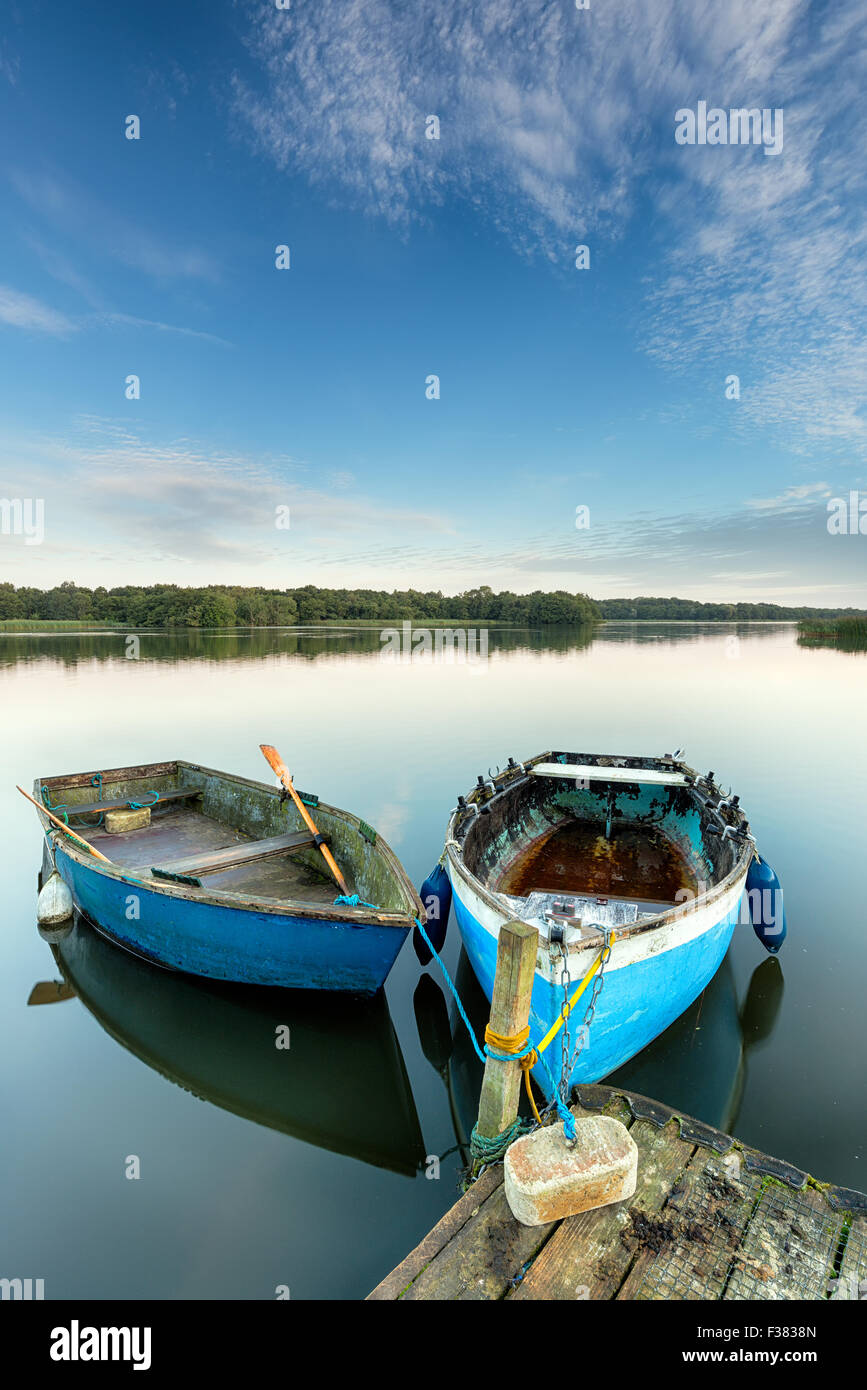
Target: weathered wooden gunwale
x,y
711,1219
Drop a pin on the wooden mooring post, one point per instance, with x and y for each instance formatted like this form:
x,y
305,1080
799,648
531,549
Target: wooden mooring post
x,y
510,1013
547,1176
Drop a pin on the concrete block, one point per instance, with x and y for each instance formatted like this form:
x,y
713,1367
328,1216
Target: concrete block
x,y
116,822
545,1180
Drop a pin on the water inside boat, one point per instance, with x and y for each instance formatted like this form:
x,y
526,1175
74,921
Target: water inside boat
x,y
608,852
634,861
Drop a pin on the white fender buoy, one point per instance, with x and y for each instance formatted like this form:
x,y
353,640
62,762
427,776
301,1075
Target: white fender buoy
x,y
54,904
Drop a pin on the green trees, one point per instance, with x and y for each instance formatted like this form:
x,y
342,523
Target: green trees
x,y
220,605
674,609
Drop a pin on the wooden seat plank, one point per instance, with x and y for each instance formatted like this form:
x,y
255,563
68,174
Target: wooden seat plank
x,y
245,852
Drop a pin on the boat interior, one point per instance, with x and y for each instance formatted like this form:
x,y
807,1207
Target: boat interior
x,y
226,834
561,845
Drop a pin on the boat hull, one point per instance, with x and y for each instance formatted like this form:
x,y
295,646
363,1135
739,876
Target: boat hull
x,y
650,979
239,944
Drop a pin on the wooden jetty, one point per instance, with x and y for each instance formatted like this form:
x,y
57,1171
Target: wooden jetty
x,y
711,1219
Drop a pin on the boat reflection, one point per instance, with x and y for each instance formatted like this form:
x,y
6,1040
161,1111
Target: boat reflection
x,y
341,1084
698,1066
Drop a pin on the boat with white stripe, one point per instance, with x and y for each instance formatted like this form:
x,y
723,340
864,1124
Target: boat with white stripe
x,y
638,853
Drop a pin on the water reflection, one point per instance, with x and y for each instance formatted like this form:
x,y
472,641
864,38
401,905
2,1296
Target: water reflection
x,y
677,633
341,1084
700,1063
842,641
437,1044
339,643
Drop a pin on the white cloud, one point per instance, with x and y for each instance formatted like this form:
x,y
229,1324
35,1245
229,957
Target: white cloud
x,y
792,497
179,504
558,124
120,508
61,203
22,311
133,321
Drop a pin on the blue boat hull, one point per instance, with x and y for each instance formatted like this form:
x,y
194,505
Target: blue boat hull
x,y
238,944
636,1004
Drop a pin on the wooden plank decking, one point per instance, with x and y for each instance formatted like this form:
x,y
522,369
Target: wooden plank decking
x,y
710,1219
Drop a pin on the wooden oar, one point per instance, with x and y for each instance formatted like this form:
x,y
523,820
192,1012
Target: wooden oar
x,y
279,767
60,825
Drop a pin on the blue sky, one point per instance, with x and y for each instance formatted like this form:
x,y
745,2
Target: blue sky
x,y
560,387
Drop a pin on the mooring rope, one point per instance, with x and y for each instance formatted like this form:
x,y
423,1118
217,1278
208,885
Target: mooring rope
x,y
144,805
448,979
511,1048
63,808
67,808
491,1150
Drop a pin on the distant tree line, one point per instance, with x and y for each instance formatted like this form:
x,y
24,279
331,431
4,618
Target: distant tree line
x,y
221,605
673,608
169,605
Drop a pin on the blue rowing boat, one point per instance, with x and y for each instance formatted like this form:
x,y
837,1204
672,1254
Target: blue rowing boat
x,y
639,856
216,875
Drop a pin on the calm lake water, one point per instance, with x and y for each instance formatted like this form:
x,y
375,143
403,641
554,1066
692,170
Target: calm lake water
x,y
307,1168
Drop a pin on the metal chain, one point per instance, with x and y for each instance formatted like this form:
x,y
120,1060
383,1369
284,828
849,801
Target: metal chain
x,y
567,1065
584,1030
564,1012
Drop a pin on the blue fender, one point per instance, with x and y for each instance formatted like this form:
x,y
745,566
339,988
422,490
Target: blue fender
x,y
765,898
436,895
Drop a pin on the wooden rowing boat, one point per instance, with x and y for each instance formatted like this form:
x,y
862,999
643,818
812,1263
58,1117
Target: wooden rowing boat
x,y
585,846
226,880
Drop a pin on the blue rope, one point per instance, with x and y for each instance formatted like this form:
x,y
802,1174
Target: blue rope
x,y
352,900
64,807
563,1110
461,1010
